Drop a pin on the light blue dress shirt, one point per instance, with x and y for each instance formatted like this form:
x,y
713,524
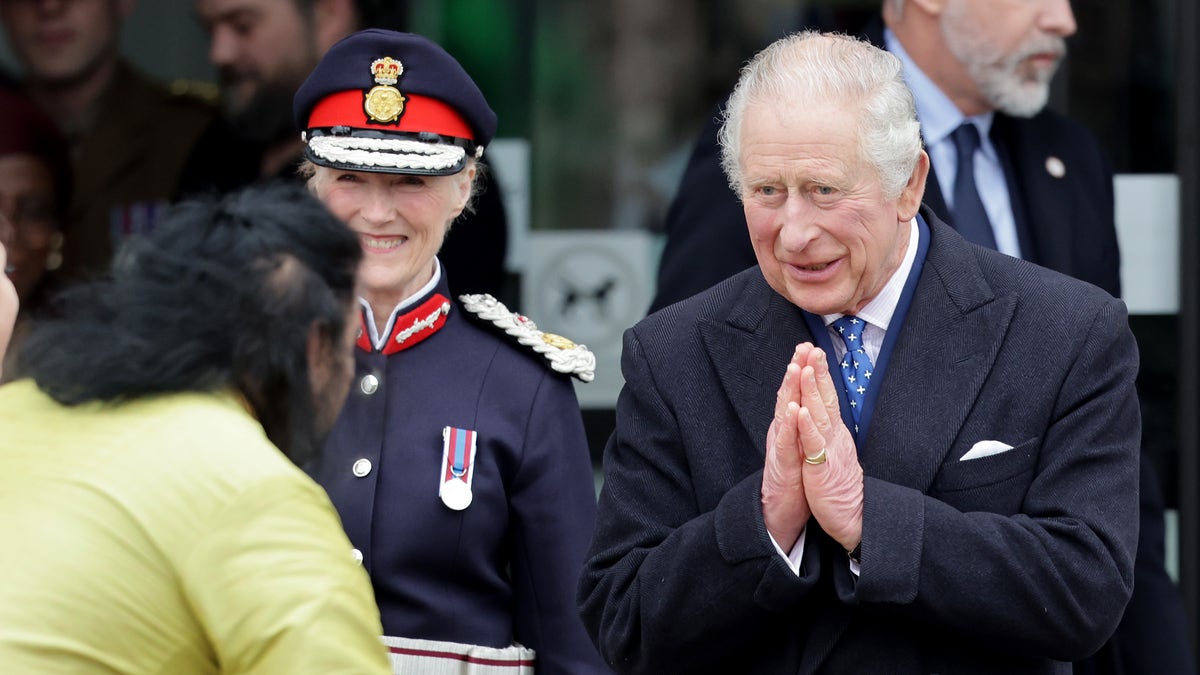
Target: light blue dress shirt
x,y
939,118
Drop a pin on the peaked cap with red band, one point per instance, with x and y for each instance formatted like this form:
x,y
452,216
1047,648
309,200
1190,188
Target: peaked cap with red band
x,y
392,102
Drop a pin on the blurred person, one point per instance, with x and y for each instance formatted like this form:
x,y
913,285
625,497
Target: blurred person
x,y
35,188
146,467
263,50
459,465
129,136
979,68
882,449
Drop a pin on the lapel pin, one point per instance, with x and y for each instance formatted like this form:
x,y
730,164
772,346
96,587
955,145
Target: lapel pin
x,y
1055,167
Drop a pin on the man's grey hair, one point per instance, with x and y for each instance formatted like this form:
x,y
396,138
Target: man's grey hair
x,y
811,66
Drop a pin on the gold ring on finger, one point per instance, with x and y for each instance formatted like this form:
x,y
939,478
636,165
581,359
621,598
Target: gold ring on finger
x,y
818,458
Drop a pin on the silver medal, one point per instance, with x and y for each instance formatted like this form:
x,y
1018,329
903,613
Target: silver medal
x,y
456,494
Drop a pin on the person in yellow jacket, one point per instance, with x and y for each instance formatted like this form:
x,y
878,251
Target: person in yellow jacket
x,y
153,516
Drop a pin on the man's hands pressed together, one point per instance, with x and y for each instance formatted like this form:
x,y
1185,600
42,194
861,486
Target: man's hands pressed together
x,y
808,426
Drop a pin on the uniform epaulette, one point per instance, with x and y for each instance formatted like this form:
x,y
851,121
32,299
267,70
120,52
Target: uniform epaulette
x,y
564,355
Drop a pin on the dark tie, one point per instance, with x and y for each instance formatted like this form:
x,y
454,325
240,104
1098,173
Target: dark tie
x,y
856,365
970,218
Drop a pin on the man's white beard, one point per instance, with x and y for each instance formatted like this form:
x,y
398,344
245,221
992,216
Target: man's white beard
x,y
998,75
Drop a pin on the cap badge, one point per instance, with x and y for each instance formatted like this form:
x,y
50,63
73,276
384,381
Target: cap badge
x,y
384,103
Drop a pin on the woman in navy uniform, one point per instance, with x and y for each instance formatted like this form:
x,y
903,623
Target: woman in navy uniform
x,y
459,464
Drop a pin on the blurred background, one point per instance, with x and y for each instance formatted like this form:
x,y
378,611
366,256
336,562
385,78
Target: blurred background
x,y
600,103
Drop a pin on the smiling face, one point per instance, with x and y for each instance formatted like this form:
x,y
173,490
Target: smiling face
x,y
1010,48
401,221
824,234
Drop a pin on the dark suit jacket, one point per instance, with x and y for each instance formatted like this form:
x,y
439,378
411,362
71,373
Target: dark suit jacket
x,y
1016,562
1066,223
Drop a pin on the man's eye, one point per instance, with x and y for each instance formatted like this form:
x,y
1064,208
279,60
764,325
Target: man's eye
x,y
825,190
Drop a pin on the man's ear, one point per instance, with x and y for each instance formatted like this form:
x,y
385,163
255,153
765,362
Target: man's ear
x,y
909,201
930,7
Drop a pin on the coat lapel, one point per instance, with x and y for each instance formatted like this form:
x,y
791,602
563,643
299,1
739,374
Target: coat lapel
x,y
750,349
1048,214
948,343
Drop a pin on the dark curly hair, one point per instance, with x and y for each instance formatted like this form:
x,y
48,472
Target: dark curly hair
x,y
221,295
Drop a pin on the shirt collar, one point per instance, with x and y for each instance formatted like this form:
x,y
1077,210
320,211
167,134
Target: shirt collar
x,y
938,115
406,303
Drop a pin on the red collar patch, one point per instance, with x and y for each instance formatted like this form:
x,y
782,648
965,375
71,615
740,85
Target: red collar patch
x,y
411,327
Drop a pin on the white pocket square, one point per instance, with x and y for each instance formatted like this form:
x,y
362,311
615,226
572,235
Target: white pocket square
x,y
985,449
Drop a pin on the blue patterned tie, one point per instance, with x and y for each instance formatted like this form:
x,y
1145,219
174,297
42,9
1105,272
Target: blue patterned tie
x,y
970,218
856,365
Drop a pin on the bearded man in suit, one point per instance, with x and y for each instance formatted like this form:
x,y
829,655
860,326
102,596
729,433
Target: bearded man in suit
x,y
951,489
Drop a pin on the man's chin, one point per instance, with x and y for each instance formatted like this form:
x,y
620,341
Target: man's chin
x,y
236,100
265,117
1024,98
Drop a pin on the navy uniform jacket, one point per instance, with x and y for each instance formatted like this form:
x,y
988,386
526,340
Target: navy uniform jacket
x,y
505,568
1013,563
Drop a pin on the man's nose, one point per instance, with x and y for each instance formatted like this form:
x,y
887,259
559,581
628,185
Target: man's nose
x,y
1057,18
799,223
222,48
